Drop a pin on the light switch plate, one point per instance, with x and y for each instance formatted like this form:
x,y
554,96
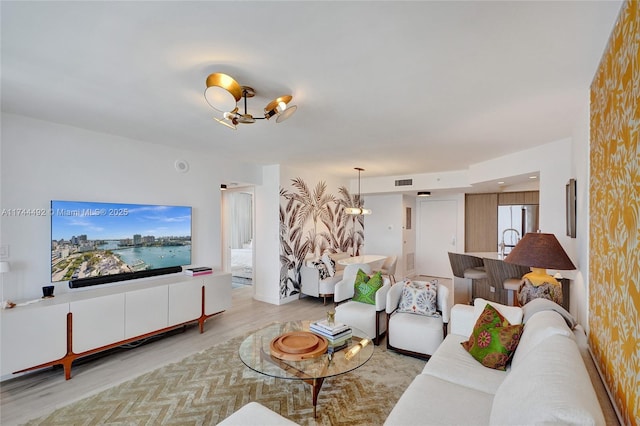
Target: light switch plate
x,y
4,252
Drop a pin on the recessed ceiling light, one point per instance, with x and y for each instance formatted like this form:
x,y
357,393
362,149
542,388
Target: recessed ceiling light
x,y
533,177
501,182
424,194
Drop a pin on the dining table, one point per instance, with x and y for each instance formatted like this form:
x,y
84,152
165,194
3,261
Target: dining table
x,y
374,260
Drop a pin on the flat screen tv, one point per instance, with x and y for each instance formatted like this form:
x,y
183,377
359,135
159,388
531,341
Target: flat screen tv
x,y
96,243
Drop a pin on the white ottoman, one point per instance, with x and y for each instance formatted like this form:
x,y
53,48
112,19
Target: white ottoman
x,y
254,413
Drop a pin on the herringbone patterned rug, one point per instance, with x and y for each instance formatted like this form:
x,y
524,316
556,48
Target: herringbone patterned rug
x,y
209,386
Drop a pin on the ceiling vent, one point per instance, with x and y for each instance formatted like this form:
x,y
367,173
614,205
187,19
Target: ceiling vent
x,y
404,182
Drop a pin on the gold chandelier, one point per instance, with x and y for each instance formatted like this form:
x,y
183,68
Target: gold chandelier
x,y
223,94
358,208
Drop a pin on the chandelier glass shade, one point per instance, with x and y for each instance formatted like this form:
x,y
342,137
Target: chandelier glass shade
x,y
223,94
358,209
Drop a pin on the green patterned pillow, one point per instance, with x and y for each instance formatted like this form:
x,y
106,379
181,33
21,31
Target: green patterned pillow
x,y
491,317
364,288
493,340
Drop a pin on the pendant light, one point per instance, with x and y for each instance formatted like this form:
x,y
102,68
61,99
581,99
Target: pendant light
x,y
358,208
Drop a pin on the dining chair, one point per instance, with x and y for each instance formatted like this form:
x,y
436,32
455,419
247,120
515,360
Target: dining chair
x,y
389,268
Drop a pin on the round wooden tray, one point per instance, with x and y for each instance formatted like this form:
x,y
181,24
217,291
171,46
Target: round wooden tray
x,y
298,345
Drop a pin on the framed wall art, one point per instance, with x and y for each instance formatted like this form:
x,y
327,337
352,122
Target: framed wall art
x,y
571,208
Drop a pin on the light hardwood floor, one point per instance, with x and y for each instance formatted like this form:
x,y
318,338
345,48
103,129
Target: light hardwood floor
x,y
38,393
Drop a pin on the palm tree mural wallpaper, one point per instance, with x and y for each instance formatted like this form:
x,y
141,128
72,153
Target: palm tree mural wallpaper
x,y
314,222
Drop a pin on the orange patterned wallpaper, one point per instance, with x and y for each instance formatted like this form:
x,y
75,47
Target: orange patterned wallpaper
x,y
614,299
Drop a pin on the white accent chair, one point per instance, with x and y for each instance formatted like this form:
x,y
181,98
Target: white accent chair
x,y
413,334
363,316
310,282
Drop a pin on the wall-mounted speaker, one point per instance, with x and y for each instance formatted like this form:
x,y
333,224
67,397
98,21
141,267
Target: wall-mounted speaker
x,y
181,166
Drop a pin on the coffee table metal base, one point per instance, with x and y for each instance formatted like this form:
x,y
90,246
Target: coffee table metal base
x,y
315,382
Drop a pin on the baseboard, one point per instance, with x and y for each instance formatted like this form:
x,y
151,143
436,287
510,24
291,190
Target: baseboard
x,y
606,386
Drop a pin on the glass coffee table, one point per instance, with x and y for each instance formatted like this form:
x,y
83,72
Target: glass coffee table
x,y
255,353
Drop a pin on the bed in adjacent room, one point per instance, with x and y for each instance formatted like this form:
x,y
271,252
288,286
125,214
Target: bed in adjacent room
x,y
242,263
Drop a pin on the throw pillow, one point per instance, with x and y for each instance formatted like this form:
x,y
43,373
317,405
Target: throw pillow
x,y
329,263
493,347
322,269
513,314
493,340
365,287
419,298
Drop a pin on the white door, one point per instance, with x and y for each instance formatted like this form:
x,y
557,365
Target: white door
x,y
437,230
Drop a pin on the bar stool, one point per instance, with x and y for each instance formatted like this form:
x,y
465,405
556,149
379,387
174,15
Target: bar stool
x,y
471,267
506,279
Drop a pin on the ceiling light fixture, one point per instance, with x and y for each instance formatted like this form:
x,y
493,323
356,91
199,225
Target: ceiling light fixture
x,y
358,208
223,94
424,194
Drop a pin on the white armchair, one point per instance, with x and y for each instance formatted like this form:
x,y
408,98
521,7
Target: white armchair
x,y
413,334
312,284
363,316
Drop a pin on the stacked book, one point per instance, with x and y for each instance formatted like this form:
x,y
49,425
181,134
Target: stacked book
x,y
337,334
194,272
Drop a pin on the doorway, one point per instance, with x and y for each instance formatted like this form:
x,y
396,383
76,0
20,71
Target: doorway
x,y
239,222
437,235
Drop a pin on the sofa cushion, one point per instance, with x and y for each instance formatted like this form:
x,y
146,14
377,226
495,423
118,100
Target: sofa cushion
x,y
537,328
540,304
365,287
429,400
419,298
328,285
513,314
416,333
550,386
454,364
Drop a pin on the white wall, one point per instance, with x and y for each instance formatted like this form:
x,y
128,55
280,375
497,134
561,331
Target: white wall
x,y
42,161
580,244
383,229
267,238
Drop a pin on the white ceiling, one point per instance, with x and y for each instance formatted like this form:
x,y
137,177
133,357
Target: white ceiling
x,y
393,87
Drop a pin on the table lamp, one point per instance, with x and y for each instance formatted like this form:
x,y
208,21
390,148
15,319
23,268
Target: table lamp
x,y
541,252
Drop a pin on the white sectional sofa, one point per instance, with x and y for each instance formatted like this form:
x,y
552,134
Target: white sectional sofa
x,y
546,382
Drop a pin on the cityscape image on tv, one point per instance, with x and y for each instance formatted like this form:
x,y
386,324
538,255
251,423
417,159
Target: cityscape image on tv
x,y
98,239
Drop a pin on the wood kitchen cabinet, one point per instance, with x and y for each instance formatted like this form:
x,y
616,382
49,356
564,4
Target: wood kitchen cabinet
x,y
481,222
481,217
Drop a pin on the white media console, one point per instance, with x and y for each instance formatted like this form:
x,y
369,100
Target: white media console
x,y
69,326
